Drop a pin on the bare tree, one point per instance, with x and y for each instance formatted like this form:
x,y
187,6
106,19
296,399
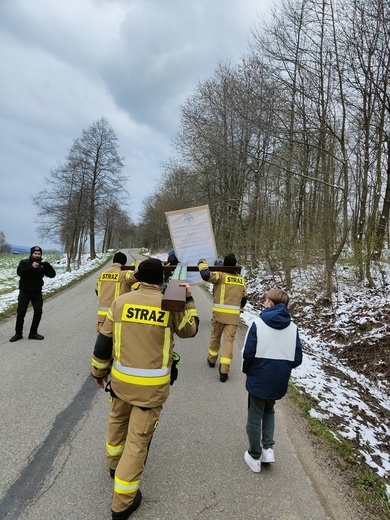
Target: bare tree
x,y
78,190
101,165
4,246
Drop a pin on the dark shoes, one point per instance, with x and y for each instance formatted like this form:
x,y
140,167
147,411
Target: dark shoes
x,y
210,363
30,336
35,336
16,337
124,515
112,472
223,377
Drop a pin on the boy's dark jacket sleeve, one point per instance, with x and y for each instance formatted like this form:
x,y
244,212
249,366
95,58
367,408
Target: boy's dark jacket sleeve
x,y
298,352
249,350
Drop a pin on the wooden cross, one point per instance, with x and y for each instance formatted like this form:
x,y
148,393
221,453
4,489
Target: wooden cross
x,y
174,297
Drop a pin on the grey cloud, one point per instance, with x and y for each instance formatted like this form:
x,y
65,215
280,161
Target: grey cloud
x,y
65,64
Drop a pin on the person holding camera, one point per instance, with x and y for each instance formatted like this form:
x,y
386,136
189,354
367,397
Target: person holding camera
x,y
31,271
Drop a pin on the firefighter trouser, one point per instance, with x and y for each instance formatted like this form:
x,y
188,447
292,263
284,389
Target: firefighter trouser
x,y
24,299
227,333
130,431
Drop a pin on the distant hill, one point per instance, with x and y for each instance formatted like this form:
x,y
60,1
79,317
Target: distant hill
x,y
21,250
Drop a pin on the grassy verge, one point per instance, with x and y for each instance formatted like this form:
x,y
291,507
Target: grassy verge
x,y
369,488
11,310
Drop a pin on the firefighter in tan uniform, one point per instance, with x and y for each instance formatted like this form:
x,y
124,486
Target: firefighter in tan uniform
x,y
230,297
137,338
111,283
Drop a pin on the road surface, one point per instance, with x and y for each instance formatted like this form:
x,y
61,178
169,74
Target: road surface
x,y
53,424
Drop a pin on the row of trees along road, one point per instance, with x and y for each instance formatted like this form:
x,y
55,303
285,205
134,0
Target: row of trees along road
x,y
290,148
85,195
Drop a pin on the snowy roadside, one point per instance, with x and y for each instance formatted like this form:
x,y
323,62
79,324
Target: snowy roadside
x,y
357,406
62,279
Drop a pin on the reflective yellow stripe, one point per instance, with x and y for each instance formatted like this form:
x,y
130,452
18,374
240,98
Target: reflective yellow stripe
x,y
226,310
188,318
117,289
117,341
222,299
102,312
98,287
192,312
226,306
166,347
114,450
213,352
140,380
141,372
109,315
99,365
225,360
123,487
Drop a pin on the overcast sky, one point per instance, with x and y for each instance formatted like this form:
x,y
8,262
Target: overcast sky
x,y
66,63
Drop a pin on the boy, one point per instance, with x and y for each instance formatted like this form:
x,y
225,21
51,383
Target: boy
x,y
271,349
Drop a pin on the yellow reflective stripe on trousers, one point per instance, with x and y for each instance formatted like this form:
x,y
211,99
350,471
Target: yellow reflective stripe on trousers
x,y
213,352
140,380
113,451
124,487
225,360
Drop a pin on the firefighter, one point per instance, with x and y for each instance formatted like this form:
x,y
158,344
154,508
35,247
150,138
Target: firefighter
x,y
137,339
230,297
111,283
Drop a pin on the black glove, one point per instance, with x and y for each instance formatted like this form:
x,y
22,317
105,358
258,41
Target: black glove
x,y
174,367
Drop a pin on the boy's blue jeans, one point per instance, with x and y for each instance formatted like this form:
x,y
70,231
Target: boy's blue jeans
x,y
260,425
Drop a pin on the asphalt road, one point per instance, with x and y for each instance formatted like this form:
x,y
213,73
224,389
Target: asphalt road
x,y
53,424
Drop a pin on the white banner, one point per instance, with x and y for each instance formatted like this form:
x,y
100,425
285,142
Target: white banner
x,y
192,237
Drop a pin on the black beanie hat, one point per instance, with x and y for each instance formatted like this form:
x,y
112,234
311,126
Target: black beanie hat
x,y
150,271
230,259
34,249
119,258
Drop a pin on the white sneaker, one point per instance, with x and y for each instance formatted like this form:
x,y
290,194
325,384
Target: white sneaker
x,y
267,455
252,463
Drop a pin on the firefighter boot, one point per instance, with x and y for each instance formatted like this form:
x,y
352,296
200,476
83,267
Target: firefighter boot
x,y
124,515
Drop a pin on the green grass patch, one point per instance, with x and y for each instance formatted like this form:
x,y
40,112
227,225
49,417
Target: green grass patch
x,y
8,266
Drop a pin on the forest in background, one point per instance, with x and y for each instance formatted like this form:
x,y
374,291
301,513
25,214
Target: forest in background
x,y
289,149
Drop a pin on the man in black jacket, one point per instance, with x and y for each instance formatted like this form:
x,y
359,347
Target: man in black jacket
x,y
31,271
